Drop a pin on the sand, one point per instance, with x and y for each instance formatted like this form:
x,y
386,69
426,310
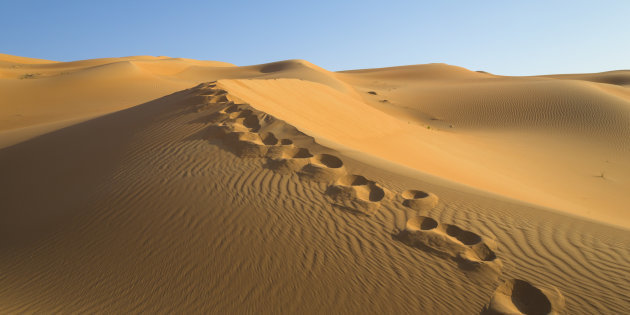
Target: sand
x,y
157,184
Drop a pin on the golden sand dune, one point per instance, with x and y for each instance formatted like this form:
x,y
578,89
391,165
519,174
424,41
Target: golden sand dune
x,y
286,188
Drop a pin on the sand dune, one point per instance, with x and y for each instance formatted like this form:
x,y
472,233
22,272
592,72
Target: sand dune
x,y
17,60
621,77
157,184
501,151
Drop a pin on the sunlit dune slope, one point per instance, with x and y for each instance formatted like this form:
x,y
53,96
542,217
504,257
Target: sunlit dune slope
x,y
550,155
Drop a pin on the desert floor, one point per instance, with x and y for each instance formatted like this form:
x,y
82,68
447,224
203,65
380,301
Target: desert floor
x,y
157,184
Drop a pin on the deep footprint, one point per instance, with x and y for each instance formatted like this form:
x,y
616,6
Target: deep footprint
x,y
521,297
357,194
289,159
323,168
468,249
246,144
419,200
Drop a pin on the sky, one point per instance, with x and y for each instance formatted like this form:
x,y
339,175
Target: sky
x,y
501,37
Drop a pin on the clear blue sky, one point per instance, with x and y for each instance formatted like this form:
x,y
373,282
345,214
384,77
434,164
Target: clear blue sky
x,y
503,37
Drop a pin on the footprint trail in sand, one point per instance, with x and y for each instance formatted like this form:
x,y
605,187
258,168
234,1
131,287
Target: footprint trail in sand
x,y
249,133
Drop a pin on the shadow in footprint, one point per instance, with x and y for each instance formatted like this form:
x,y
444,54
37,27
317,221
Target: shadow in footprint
x,y
466,248
517,296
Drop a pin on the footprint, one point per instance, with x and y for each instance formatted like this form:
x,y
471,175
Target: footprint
x,y
276,148
238,126
216,117
217,92
205,85
209,97
242,113
356,193
269,138
468,249
521,297
219,130
232,109
217,98
286,142
323,168
252,122
421,223
419,200
246,119
246,144
290,159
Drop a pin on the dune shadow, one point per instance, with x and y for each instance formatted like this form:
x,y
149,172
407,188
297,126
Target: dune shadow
x,y
49,179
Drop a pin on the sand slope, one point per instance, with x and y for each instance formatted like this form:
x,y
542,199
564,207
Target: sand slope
x,y
551,155
287,188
